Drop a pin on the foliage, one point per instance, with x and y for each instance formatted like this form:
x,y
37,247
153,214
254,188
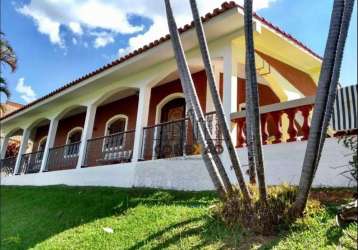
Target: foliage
x,y
12,149
351,142
261,218
7,57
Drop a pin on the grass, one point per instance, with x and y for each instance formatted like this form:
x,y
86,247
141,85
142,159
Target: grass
x,y
62,217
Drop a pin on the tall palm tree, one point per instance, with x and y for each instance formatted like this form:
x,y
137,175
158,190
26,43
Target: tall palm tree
x,y
212,161
216,100
7,57
331,63
252,101
347,14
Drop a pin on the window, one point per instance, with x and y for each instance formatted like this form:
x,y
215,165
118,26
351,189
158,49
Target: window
x,y
75,137
41,149
42,144
114,132
73,142
116,126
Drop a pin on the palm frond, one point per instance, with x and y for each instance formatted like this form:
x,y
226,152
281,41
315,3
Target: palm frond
x,y
8,55
5,90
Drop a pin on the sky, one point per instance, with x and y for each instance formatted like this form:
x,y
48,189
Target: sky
x,y
57,41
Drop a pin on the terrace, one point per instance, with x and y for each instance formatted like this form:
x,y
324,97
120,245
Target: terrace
x,y
280,123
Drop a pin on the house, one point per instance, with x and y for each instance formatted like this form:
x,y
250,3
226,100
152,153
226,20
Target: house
x,y
125,124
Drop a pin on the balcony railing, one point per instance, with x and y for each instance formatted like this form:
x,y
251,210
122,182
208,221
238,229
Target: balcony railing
x,y
176,138
31,163
7,166
113,149
63,157
282,122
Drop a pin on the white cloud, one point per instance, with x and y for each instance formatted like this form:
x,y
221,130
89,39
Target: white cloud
x,y
112,17
76,28
102,39
26,92
45,24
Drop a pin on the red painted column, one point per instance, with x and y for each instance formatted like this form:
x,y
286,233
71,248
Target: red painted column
x,y
305,110
264,130
292,130
276,116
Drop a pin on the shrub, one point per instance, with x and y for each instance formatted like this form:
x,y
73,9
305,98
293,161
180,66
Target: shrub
x,y
260,218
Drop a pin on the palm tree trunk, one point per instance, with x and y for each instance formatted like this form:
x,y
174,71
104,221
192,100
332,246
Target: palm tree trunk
x,y
216,100
250,155
252,100
316,130
347,14
210,156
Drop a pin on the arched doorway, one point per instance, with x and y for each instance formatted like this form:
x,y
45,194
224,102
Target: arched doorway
x,y
173,110
172,130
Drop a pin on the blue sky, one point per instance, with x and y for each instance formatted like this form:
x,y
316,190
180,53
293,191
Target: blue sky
x,y
56,41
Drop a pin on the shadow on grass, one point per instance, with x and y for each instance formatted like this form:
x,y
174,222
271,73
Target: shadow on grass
x,y
30,215
207,230
166,230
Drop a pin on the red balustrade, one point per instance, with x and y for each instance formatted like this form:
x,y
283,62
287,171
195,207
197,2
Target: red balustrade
x,y
241,136
292,129
276,116
272,130
264,130
305,111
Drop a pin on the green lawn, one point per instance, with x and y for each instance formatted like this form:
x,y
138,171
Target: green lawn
x,y
74,218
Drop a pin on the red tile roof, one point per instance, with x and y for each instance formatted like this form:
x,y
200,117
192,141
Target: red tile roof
x,y
224,7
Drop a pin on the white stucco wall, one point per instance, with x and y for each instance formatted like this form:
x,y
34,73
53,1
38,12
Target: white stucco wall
x,y
283,163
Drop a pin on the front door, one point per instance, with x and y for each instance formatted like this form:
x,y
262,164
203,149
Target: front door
x,y
172,131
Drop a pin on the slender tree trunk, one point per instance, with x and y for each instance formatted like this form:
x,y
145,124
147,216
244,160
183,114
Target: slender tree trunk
x,y
197,117
312,149
216,100
252,100
347,14
250,154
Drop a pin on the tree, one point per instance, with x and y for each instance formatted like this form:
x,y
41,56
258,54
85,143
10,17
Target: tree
x,y
325,98
250,155
252,103
7,57
212,161
216,100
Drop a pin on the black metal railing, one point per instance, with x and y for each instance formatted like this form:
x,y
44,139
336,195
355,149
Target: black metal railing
x,y
7,166
177,138
113,149
30,163
63,157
